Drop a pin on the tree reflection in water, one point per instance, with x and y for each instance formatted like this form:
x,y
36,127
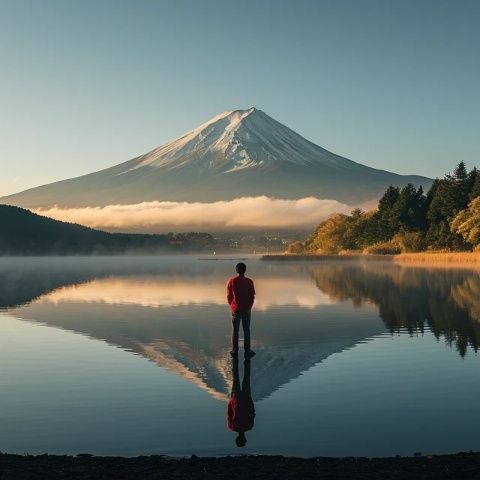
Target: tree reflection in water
x,y
408,298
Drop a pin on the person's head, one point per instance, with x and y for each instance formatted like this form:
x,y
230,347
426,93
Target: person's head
x,y
241,440
241,268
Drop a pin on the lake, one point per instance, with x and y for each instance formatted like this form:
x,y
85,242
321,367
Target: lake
x,y
130,356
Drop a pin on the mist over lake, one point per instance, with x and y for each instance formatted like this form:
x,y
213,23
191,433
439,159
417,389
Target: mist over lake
x,y
129,356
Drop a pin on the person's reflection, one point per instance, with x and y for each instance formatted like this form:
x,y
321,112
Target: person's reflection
x,y
240,410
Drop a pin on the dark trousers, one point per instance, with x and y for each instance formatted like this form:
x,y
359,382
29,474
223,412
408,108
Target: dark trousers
x,y
244,318
245,387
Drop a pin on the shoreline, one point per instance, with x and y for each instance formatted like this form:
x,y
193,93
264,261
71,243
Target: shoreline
x,y
89,467
457,259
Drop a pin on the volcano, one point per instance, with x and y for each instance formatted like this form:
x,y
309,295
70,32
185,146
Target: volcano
x,y
239,153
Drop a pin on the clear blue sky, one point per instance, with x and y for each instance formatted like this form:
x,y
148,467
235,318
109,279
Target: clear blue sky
x,y
88,84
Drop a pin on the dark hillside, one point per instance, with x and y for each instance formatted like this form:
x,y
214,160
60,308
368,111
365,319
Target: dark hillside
x,y
25,233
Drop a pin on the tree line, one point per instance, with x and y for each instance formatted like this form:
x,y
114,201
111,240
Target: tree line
x,y
446,218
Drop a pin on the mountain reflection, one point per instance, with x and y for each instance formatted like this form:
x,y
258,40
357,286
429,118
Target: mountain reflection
x,y
172,310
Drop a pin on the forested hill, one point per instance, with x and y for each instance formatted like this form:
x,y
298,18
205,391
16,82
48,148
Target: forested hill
x,y
25,233
447,217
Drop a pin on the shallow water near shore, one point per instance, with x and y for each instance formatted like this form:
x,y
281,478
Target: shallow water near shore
x,y
129,356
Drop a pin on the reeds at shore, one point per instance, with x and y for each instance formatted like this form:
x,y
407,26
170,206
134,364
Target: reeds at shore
x,y
319,257
438,257
421,258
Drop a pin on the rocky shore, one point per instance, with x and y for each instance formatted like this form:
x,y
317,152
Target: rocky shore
x,y
83,467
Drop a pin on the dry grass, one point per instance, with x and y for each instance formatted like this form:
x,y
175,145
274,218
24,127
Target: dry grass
x,y
430,259
467,258
327,257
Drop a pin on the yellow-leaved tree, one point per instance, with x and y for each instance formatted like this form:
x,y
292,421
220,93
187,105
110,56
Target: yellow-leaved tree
x,y
467,223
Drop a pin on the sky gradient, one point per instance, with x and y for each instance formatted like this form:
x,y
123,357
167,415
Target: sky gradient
x,y
88,84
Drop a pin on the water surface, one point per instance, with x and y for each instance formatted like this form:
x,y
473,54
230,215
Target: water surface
x,y
129,356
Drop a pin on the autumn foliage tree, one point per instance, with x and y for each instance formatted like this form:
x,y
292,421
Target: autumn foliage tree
x,y
407,219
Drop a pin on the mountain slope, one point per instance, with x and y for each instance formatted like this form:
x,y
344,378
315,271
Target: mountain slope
x,y
236,154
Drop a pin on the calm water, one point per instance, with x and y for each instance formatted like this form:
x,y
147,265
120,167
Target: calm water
x,y
129,356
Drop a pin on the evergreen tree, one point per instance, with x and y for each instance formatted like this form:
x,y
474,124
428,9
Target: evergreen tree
x,y
460,173
475,190
462,185
450,196
388,199
472,177
385,223
408,212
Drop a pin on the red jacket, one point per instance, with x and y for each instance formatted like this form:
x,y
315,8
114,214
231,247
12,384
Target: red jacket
x,y
240,294
240,413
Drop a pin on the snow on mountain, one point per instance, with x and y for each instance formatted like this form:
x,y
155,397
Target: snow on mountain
x,y
239,153
239,139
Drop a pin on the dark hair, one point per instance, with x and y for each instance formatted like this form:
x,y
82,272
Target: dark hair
x,y
241,268
241,441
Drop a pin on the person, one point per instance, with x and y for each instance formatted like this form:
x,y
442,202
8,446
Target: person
x,y
240,297
240,410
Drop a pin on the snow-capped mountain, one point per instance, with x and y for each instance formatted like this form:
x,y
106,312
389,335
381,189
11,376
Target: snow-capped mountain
x,y
235,154
238,140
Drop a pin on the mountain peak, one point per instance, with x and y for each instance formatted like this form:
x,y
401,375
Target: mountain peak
x,y
235,154
234,140
233,115
243,111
